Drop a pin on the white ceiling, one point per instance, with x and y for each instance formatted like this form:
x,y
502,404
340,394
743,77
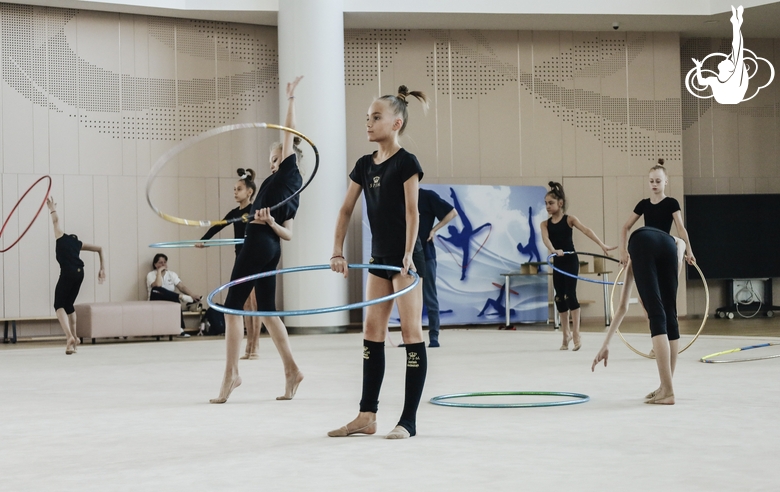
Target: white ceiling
x,y
705,18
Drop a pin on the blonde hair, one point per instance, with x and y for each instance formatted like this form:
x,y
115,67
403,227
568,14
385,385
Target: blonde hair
x,y
659,167
296,149
398,103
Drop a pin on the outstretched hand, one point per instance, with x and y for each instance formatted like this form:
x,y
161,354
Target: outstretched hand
x,y
696,62
602,355
292,85
607,249
50,203
101,276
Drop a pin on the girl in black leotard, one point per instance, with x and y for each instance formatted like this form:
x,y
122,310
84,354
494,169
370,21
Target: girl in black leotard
x,y
243,192
557,236
652,260
71,275
261,253
389,178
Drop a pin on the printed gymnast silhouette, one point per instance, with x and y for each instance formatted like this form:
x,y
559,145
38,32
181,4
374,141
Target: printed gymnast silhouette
x,y
498,303
530,249
462,238
730,84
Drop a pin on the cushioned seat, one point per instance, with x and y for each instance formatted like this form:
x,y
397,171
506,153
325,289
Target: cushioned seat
x,y
127,319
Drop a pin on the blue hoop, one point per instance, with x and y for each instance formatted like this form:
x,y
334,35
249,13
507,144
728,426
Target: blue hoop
x,y
303,312
600,282
191,243
580,398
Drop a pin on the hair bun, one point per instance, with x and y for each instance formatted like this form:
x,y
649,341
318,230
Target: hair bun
x,y
661,161
241,172
296,140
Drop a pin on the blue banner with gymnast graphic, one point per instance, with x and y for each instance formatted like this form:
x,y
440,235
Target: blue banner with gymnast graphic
x,y
496,230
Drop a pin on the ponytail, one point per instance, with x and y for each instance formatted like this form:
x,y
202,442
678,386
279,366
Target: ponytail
x,y
398,104
556,191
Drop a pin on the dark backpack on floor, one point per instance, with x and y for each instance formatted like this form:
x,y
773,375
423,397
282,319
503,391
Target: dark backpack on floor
x,y
214,322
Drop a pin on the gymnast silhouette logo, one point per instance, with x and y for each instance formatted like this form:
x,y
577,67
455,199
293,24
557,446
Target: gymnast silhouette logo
x,y
730,84
462,239
497,304
530,249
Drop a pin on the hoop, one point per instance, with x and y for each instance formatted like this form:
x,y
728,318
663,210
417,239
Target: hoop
x,y
166,157
703,321
303,312
707,358
580,398
5,222
600,282
193,242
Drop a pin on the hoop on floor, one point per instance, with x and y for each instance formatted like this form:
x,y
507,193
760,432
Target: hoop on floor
x,y
166,157
303,312
708,358
578,398
191,243
600,282
8,219
701,327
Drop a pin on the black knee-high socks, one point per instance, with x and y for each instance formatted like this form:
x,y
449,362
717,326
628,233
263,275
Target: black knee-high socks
x,y
373,374
416,369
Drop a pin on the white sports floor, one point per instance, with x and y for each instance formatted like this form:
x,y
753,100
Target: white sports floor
x,y
135,416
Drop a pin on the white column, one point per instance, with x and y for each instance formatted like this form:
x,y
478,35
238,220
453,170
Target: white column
x,y
311,43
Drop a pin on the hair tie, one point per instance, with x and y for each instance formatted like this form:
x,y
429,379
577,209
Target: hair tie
x,y
244,176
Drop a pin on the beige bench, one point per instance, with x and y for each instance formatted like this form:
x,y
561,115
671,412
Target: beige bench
x,y
128,319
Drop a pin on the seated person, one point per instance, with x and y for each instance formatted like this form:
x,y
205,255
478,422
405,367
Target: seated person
x,y
162,283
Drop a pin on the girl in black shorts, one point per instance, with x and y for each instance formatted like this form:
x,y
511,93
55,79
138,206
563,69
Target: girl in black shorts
x,y
261,253
390,180
557,236
652,260
243,192
71,275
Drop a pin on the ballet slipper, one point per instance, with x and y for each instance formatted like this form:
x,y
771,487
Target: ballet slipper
x,y
661,400
565,344
236,384
577,343
345,431
295,382
70,347
399,432
651,394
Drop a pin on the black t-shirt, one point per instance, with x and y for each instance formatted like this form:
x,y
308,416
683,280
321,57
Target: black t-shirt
x,y
277,187
383,186
659,215
431,207
239,228
560,234
67,250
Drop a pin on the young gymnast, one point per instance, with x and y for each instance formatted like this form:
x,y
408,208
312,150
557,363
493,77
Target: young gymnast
x,y
652,260
243,192
389,177
557,236
261,253
67,250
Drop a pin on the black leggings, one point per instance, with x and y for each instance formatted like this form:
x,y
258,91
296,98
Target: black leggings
x,y
565,286
67,289
654,260
261,253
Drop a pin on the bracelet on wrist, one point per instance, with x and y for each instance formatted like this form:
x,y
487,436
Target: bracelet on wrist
x,y
337,256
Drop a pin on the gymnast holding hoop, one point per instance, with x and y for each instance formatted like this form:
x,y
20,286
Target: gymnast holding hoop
x,y
243,192
557,236
261,253
390,178
67,250
652,258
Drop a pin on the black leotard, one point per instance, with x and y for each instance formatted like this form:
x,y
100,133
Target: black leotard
x,y
239,228
660,215
560,235
71,272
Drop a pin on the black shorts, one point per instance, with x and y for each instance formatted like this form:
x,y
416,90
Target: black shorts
x,y
397,260
67,289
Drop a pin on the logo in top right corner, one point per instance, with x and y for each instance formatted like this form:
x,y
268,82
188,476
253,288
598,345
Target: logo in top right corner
x,y
729,85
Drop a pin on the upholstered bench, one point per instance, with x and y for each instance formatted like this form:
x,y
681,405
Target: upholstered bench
x,y
128,319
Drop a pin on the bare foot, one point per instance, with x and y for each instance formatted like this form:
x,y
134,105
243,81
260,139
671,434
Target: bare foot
x,y
399,432
228,385
365,423
291,386
661,399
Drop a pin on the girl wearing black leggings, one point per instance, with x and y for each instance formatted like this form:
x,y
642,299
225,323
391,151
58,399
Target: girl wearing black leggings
x,y
557,236
71,275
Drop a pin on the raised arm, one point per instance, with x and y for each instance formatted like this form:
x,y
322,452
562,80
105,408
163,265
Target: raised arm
x,y
99,251
683,233
575,222
411,196
289,121
337,261
624,238
55,220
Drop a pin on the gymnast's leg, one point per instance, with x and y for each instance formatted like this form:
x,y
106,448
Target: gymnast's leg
x,y
252,324
559,289
292,374
374,331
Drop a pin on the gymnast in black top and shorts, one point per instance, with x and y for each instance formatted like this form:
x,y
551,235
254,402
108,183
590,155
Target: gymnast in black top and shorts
x,y
261,253
389,178
652,259
71,275
243,192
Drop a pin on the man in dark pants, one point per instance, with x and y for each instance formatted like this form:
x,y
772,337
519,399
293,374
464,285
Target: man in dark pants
x,y
432,207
